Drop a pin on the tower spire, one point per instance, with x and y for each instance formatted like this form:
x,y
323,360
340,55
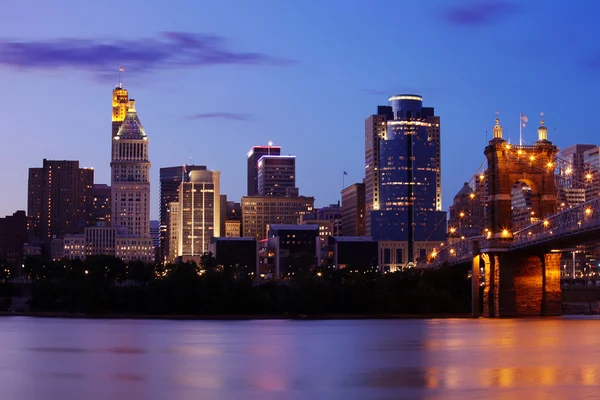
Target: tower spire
x,y
542,130
497,127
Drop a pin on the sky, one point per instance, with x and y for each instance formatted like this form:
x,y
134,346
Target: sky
x,y
213,78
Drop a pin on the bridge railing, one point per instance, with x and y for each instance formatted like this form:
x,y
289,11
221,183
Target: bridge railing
x,y
583,217
454,252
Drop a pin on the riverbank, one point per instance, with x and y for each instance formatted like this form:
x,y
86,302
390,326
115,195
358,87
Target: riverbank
x,y
233,317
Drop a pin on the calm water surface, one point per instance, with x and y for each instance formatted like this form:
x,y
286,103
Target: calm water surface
x,y
389,359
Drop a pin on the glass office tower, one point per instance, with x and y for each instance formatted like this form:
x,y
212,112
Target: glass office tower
x,y
408,178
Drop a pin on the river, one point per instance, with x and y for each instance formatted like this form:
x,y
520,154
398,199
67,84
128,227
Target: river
x,y
47,358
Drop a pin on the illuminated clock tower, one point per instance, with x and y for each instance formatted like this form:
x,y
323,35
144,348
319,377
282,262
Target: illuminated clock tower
x,y
130,177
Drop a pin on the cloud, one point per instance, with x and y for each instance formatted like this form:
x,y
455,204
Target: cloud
x,y
221,115
168,50
480,12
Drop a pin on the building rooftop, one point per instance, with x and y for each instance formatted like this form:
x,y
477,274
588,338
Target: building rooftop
x,y
294,227
353,238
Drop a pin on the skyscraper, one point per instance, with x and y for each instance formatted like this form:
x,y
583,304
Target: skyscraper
x,y
433,130
276,175
408,178
170,179
375,128
130,175
58,198
254,155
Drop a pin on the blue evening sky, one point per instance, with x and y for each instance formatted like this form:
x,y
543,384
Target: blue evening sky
x,y
212,78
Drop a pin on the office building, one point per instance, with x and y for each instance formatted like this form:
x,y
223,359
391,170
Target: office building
x,y
99,210
58,198
199,213
408,192
354,252
233,228
353,210
259,211
170,179
571,166
289,250
174,232
13,235
433,131
591,159
326,230
155,235
255,153
232,222
240,255
375,129
332,212
467,213
276,175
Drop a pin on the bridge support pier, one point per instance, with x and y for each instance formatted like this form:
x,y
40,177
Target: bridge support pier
x,y
552,299
475,288
521,285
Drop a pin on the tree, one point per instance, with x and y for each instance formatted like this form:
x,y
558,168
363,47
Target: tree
x,y
208,262
299,264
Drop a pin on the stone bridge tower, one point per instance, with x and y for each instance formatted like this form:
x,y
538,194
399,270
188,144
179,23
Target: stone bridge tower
x,y
518,283
509,164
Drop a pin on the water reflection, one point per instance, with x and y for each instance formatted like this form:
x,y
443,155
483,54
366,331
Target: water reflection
x,y
453,377
298,359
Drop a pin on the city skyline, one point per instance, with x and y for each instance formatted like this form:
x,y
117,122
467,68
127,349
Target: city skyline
x,y
309,95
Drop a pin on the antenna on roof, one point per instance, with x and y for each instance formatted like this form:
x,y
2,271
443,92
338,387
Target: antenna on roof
x,y
121,69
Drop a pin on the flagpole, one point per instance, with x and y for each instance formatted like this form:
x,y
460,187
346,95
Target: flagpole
x,y
521,129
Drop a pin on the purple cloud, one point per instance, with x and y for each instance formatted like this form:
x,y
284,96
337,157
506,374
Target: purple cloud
x,y
480,12
221,115
166,51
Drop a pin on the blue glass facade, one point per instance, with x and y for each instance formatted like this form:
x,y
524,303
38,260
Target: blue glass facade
x,y
408,171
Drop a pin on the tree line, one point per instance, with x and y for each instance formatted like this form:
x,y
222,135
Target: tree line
x,y
107,285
